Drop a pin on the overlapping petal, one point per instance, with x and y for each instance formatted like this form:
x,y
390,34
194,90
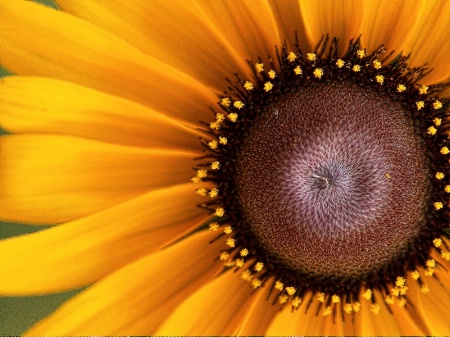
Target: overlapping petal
x,y
83,251
57,178
136,299
72,49
49,106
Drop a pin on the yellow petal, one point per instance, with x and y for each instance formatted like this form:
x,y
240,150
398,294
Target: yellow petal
x,y
52,179
189,40
290,21
337,18
36,40
43,105
427,40
258,317
216,309
433,306
299,322
389,22
137,298
248,26
82,251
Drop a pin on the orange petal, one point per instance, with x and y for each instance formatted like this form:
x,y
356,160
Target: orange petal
x,y
389,22
137,298
36,40
433,306
342,19
216,309
302,322
427,39
166,29
82,251
52,179
43,105
258,317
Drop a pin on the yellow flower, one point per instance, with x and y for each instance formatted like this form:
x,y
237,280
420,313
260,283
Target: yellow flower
x,y
104,119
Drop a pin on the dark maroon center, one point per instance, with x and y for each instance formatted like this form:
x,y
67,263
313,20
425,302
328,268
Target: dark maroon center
x,y
332,180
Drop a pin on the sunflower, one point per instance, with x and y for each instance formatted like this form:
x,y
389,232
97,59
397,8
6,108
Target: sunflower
x,y
228,167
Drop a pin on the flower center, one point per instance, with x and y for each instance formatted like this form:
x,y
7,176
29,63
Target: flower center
x,y
335,182
329,176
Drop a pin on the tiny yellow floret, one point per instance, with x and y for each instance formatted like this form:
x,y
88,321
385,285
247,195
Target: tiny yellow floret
x,y
402,301
298,70
340,63
201,191
223,140
220,117
375,308
219,212
202,173
327,311
231,242
430,263
401,88
438,205
291,290
437,121
445,150
429,272
376,64
224,256
361,53
389,299
256,283
214,192
431,130
238,105
233,117
246,275
213,226
259,67
228,230
214,125
212,144
321,297
356,68
423,90
400,281
420,105
283,299
437,105
291,57
296,301
225,102
445,255
311,57
248,86
268,86
437,242
279,285
335,299
379,79
356,306
415,275
440,175
318,72
348,308
215,165
367,294
259,266
447,188
243,252
272,74
239,263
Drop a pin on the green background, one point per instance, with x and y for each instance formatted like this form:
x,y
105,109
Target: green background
x,y
19,313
